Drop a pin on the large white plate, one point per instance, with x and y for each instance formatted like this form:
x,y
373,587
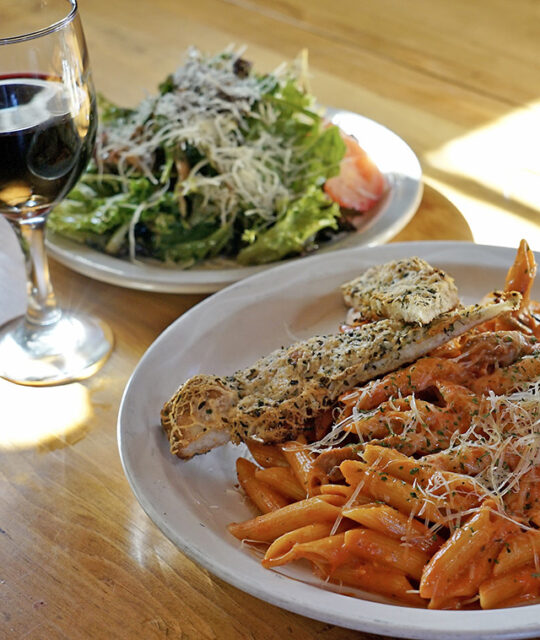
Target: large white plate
x,y
389,152
192,502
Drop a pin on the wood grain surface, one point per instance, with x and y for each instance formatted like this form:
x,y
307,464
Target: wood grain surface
x,y
458,80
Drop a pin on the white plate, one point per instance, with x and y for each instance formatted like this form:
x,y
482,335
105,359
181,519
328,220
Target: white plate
x,y
389,152
192,502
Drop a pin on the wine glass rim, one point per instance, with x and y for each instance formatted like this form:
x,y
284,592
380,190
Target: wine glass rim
x,y
55,26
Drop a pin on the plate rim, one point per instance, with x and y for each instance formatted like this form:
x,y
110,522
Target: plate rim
x,y
377,620
156,278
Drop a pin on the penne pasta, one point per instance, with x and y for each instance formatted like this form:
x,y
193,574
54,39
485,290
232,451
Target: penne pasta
x,y
395,463
375,579
266,455
283,480
352,497
525,500
280,551
524,581
467,558
519,601
338,490
301,460
518,549
464,586
506,379
409,469
399,494
456,554
460,491
269,526
395,525
262,495
375,546
328,552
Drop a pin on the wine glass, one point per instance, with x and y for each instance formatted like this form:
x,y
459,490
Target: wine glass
x,y
48,123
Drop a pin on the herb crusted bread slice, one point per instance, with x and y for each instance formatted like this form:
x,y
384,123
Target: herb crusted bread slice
x,y
409,289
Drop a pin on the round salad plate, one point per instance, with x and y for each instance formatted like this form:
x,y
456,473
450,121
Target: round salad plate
x,y
390,153
193,501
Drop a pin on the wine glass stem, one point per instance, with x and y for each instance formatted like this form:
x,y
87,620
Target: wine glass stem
x,y
41,308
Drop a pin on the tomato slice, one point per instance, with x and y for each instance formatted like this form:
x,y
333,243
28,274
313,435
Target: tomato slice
x,y
359,184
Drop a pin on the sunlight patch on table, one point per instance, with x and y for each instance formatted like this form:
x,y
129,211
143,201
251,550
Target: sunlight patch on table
x,y
488,223
47,418
504,156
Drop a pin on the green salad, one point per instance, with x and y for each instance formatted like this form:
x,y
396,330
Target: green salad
x,y
223,161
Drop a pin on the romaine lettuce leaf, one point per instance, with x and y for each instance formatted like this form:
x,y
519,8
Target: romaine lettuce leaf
x,y
292,233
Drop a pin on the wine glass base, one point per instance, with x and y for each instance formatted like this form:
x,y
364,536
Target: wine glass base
x,y
73,348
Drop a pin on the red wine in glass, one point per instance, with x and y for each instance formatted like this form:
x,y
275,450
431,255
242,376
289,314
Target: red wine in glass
x,y
43,151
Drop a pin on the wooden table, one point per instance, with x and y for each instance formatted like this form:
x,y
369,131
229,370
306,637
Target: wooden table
x,y
457,80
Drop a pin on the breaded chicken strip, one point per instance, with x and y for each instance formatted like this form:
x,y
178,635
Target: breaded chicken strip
x,y
272,400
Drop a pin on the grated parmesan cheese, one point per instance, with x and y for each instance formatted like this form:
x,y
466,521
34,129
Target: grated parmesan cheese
x,y
505,438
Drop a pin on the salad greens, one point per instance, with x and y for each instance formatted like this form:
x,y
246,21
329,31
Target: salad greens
x,y
223,161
